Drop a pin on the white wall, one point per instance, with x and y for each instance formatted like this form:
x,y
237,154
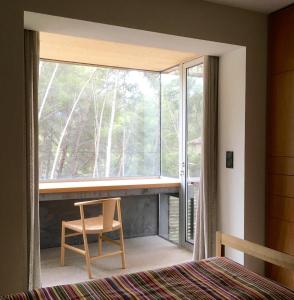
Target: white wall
x,y
232,85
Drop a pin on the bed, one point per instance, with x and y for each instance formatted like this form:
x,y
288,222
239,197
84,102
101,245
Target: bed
x,y
214,278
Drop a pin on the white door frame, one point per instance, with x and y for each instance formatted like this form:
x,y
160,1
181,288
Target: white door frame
x,y
183,149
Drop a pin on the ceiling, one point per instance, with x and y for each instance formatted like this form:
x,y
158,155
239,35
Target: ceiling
x,y
107,53
263,6
123,35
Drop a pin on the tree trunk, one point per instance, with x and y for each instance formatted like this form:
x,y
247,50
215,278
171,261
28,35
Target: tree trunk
x,y
75,152
126,137
123,153
98,126
109,138
175,126
62,160
155,165
48,160
63,133
47,90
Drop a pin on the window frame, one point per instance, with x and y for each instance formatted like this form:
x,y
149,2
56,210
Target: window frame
x,y
184,154
84,179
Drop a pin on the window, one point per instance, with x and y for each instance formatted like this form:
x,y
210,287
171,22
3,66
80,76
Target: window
x,y
174,84
169,205
194,124
105,122
194,119
170,131
97,122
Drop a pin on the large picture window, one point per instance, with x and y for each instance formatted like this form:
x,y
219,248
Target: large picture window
x,y
98,122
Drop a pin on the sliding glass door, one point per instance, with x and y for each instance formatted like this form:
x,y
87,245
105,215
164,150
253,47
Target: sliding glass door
x,y
192,116
181,144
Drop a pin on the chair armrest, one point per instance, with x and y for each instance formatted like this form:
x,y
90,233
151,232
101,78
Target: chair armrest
x,y
94,202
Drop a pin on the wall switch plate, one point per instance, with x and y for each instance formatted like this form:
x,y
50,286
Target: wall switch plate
x,y
230,159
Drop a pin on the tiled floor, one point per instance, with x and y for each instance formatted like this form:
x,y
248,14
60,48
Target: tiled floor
x,y
143,253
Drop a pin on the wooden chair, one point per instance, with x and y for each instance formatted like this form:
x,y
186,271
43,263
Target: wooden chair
x,y
97,225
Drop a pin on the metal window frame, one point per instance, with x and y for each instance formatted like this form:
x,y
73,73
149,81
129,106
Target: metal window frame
x,y
183,154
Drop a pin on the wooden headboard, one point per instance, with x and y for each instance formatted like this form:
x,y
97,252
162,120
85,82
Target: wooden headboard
x,y
266,254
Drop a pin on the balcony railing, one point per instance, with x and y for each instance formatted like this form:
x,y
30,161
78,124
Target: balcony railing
x,y
191,202
190,210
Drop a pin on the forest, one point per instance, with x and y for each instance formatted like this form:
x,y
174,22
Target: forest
x,y
105,122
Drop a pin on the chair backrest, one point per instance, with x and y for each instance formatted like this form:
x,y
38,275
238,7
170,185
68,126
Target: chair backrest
x,y
108,210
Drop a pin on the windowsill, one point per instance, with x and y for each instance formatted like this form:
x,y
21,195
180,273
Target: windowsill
x,y
107,185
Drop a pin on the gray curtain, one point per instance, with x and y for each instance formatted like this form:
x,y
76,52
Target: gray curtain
x,y
205,214
31,61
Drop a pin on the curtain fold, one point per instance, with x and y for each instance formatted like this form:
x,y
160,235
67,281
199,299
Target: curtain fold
x,y
31,65
205,213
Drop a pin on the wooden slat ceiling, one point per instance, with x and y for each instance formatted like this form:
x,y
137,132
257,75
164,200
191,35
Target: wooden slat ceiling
x,y
105,53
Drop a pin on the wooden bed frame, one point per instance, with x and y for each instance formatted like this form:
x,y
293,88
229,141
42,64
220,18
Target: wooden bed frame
x,y
261,252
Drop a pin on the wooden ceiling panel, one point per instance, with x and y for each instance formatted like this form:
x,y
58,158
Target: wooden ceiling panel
x,y
105,53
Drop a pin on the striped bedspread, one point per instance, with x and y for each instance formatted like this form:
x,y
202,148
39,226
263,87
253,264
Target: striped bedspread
x,y
215,278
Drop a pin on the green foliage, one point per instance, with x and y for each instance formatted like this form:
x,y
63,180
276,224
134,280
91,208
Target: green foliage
x,y
170,112
135,143
194,118
140,135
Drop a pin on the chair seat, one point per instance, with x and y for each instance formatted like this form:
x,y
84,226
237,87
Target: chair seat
x,y
92,225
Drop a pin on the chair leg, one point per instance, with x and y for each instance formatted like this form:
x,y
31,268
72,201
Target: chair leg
x,y
100,244
62,244
87,255
122,248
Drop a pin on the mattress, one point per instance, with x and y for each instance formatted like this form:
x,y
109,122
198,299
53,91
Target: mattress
x,y
214,278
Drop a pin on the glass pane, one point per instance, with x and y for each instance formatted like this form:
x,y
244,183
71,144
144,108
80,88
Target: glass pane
x,y
169,221
193,142
173,220
97,122
170,109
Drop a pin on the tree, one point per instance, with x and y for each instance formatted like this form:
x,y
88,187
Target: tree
x,y
63,133
109,138
98,120
106,124
47,90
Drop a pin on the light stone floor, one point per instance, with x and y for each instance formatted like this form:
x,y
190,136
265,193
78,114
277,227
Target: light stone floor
x,y
144,253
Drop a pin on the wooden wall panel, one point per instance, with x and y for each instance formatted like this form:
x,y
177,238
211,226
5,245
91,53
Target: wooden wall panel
x,y
280,141
282,41
282,114
281,235
282,275
281,165
281,208
281,185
